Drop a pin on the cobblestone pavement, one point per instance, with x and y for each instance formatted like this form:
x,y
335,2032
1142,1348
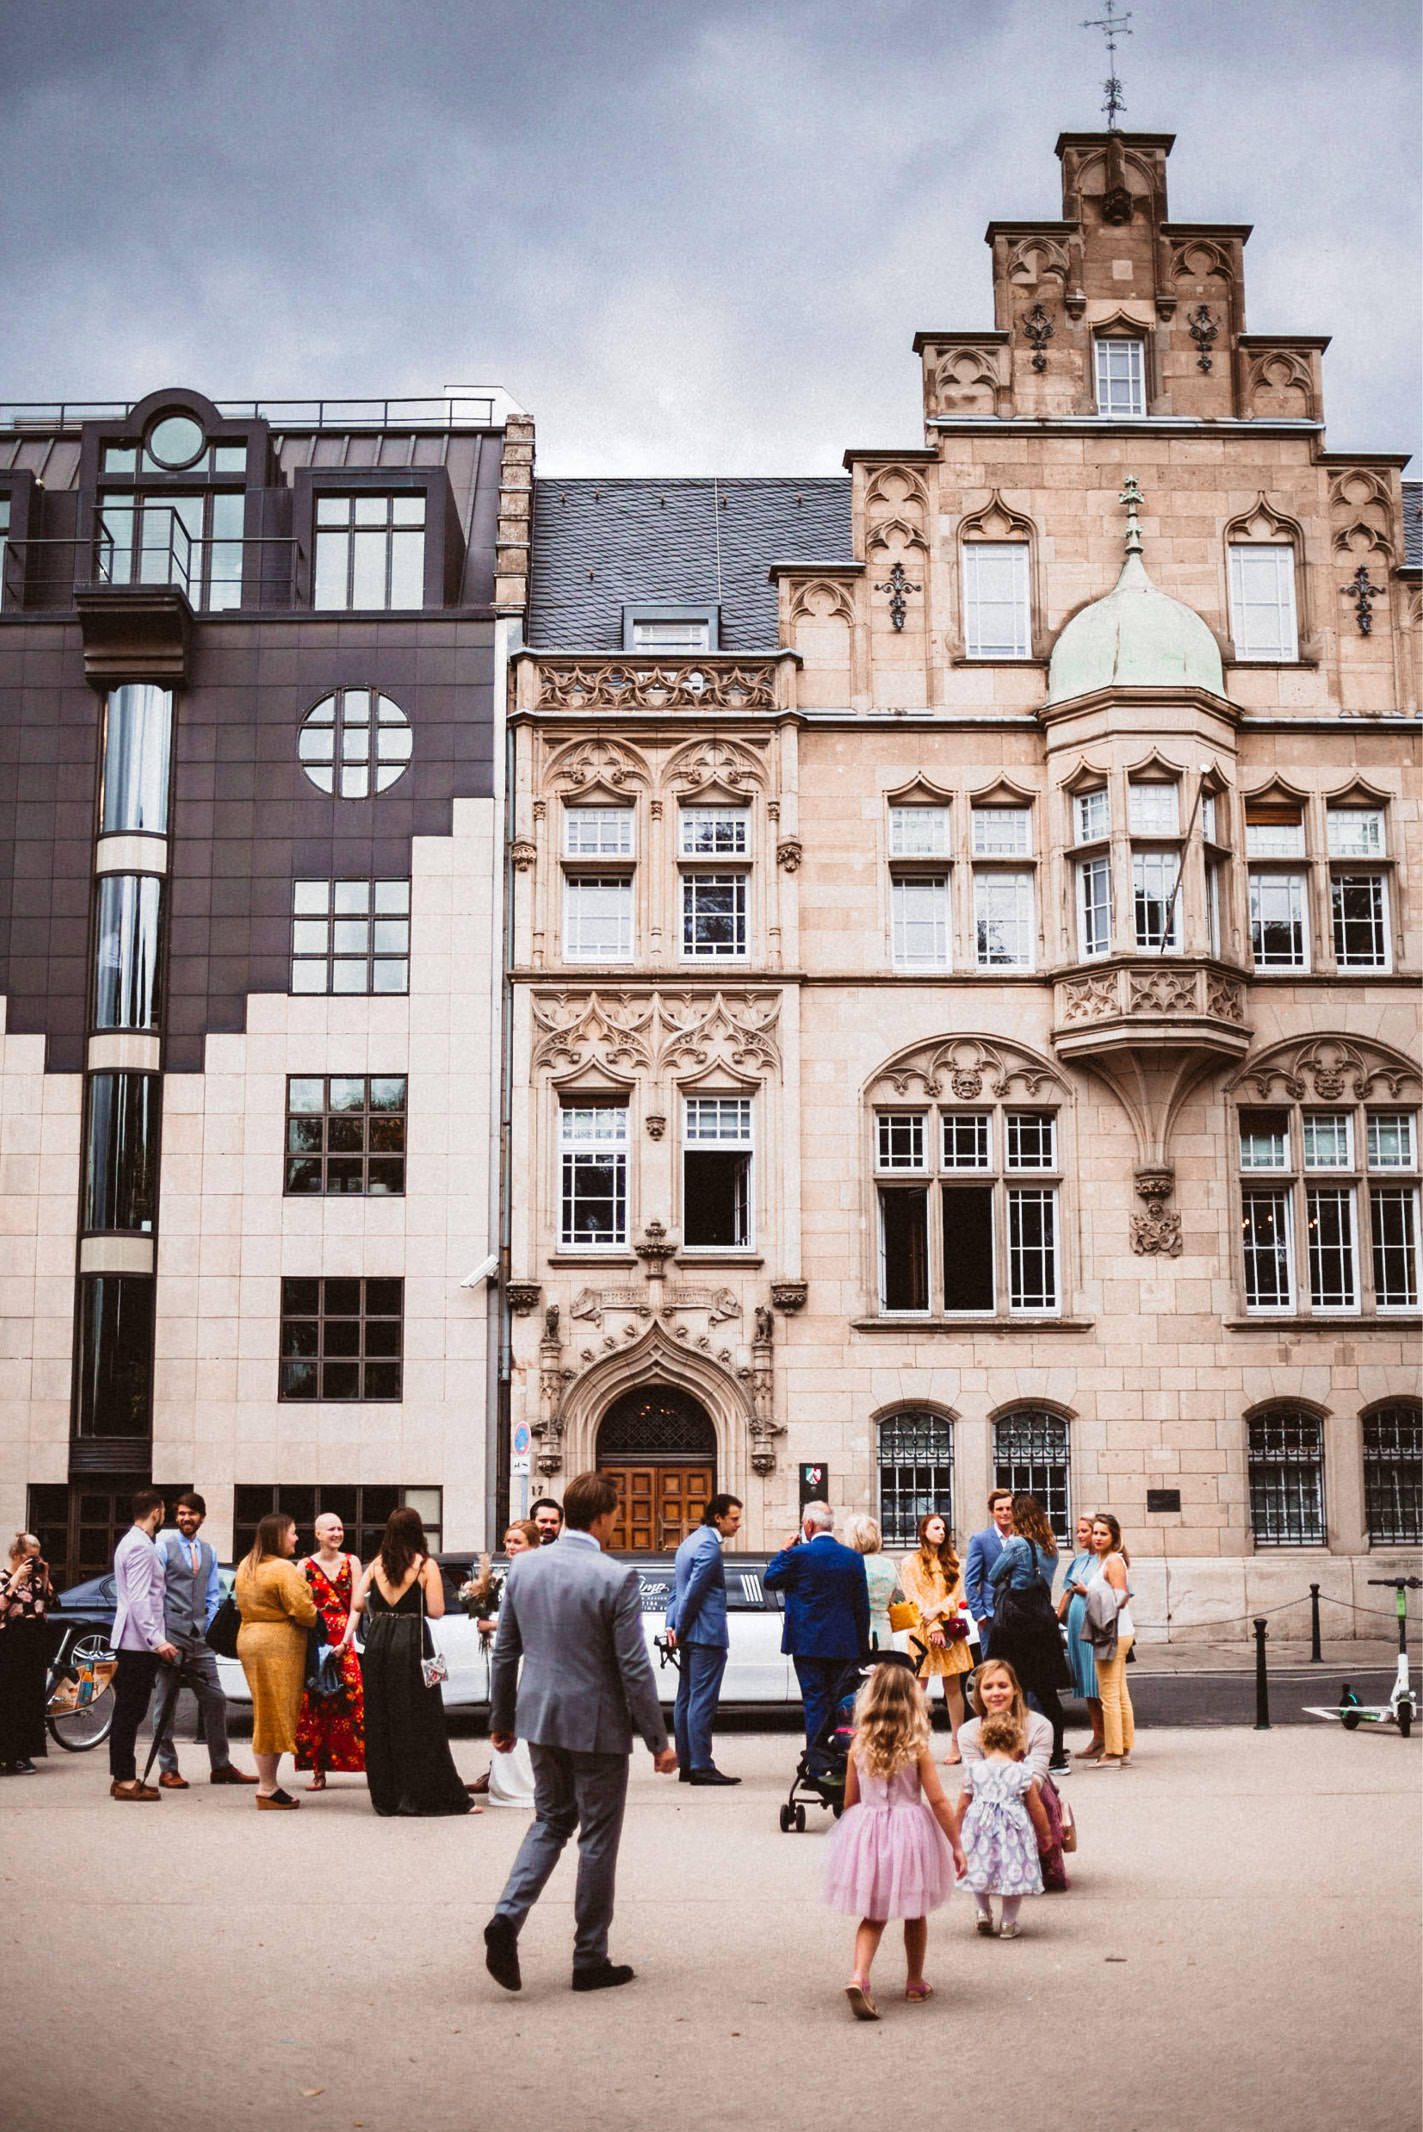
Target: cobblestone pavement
x,y
1240,1948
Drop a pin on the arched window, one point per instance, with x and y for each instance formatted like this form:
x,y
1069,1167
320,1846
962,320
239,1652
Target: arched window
x,y
1030,1456
916,1473
1286,1465
1393,1473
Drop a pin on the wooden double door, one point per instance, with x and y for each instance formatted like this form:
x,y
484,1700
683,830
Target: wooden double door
x,y
658,1505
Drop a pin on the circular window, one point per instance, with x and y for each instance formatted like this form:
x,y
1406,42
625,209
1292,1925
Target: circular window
x,y
175,441
355,742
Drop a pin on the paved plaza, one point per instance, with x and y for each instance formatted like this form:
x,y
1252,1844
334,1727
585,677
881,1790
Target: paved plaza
x,y
1239,1949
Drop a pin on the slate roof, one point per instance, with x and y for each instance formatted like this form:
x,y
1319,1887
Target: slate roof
x,y
1413,524
686,542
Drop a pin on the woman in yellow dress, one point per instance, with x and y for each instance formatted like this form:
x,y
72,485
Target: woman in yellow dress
x,y
933,1584
275,1602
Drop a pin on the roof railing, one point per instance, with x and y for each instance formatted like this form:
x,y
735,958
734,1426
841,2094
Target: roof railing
x,y
435,411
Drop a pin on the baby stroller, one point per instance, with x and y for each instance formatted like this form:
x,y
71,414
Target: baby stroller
x,y
819,1779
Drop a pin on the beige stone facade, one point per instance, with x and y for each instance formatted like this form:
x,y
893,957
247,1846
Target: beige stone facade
x,y
913,807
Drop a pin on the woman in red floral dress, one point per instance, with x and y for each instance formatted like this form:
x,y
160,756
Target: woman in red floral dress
x,y
330,1732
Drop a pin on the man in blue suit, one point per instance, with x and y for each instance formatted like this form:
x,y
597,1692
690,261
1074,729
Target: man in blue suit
x,y
827,1611
984,1548
696,1630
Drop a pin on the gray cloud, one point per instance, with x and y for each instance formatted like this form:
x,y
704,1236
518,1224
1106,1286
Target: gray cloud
x,y
688,238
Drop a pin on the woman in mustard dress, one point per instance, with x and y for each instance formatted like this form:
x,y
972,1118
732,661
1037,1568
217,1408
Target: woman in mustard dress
x,y
933,1585
275,1602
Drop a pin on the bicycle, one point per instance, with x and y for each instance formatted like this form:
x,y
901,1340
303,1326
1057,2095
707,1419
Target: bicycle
x,y
79,1693
1402,1706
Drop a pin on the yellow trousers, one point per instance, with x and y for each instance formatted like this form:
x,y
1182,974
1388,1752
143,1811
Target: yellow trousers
x,y
1118,1723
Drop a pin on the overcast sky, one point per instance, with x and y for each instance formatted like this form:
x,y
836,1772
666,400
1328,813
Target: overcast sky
x,y
688,237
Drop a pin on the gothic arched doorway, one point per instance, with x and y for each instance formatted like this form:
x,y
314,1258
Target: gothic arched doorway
x,y
659,1445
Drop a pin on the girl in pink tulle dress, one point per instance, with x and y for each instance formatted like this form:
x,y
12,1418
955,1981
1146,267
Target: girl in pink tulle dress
x,y
896,1847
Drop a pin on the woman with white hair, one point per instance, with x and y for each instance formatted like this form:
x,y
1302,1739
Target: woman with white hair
x,y
881,1577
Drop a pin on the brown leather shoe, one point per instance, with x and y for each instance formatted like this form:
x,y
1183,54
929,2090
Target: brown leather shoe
x,y
171,1781
133,1789
230,1774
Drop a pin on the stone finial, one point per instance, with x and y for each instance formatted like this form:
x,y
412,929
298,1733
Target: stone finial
x,y
1132,497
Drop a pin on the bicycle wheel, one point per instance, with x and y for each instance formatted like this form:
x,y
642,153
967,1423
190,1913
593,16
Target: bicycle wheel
x,y
87,1724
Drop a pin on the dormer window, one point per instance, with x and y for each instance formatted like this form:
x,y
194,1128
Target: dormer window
x,y
670,632
1262,600
1121,375
997,609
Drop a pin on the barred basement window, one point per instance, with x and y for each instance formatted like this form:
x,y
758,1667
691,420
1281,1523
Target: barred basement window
x,y
1286,1467
1030,1456
346,1134
1393,1474
342,1338
916,1474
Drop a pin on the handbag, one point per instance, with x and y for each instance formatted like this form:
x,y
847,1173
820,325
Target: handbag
x,y
432,1670
1069,1825
903,1614
223,1628
330,1673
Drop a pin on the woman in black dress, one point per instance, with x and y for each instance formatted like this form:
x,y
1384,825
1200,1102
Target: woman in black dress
x,y
409,1766
25,1595
1026,1631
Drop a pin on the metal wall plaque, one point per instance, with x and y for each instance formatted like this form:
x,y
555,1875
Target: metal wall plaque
x,y
1163,1499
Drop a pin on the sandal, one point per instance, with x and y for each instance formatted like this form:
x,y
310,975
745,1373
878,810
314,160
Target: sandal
x,y
277,1801
918,1993
318,1781
862,2006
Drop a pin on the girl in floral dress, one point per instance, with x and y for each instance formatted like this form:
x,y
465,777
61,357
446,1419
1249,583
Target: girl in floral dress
x,y
330,1732
1002,1827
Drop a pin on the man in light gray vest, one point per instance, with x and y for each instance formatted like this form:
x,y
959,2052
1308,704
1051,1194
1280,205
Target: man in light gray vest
x,y
574,1616
192,1594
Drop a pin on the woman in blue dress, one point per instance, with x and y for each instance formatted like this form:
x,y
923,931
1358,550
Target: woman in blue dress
x,y
1072,1609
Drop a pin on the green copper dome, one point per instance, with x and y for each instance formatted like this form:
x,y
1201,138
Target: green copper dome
x,y
1136,635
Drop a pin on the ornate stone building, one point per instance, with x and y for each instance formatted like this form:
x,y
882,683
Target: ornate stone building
x,y
964,1018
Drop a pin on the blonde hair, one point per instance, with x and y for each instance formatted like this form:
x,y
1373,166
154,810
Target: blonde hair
x,y
891,1721
863,1535
21,1544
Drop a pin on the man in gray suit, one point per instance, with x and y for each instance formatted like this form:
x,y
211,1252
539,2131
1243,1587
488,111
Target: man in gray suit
x,y
575,1618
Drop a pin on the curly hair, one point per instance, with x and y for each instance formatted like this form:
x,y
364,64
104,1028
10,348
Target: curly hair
x,y
999,1734
1028,1519
891,1721
944,1553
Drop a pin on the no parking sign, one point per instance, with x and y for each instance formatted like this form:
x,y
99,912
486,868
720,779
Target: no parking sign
x,y
519,1448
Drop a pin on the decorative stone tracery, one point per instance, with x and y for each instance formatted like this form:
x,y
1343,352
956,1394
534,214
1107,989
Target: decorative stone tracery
x,y
1329,1069
967,1067
681,1033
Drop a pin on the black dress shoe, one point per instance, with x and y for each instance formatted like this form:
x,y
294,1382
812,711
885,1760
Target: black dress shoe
x,y
711,1776
501,1953
602,1976
25,1767
684,1776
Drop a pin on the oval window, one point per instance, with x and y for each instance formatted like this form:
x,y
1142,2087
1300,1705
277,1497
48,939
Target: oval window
x,y
355,742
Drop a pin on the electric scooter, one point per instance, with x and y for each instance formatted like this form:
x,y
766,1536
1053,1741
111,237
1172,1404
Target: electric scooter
x,y
1401,1708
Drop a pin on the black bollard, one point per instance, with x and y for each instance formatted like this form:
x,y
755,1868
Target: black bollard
x,y
1262,1681
1316,1656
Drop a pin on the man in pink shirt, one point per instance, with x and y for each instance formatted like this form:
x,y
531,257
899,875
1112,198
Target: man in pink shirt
x,y
140,1637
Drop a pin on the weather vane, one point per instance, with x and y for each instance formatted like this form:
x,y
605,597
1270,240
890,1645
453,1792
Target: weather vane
x,y
1114,26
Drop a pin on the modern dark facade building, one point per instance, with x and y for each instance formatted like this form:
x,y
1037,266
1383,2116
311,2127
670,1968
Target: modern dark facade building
x,y
251,719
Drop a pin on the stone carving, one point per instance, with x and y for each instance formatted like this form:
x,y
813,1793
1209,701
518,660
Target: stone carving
x,y
656,1124
522,853
1157,1231
899,490
655,1248
616,1028
961,1063
995,520
554,1380
760,1381
964,382
679,1032
617,684
1089,999
551,1322
765,1324
523,1297
789,1295
1196,258
789,853
1330,1067
1033,258
1361,513
821,599
598,762
1225,998
1162,992
714,762
1279,383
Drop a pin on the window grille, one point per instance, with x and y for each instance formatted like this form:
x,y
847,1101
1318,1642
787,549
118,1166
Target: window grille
x,y
1286,1460
1393,1475
655,1423
916,1474
1030,1456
